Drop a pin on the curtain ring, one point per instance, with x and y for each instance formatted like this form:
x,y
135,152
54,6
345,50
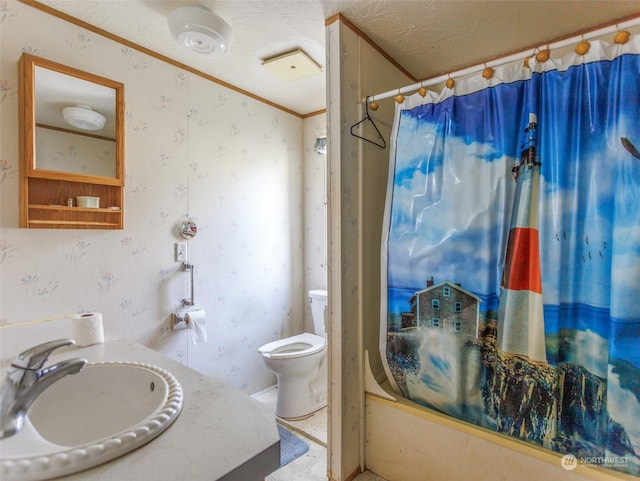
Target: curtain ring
x,y
583,46
373,105
422,91
399,98
543,55
526,61
621,36
450,82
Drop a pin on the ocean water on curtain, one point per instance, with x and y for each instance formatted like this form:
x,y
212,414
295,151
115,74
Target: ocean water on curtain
x,y
461,198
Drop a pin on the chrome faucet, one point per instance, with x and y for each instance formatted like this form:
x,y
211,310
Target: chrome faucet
x,y
27,378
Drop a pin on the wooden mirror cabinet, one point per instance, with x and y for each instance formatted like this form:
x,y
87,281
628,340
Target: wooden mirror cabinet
x,y
71,146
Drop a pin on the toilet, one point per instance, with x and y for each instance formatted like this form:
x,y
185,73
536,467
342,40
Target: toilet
x,y
300,365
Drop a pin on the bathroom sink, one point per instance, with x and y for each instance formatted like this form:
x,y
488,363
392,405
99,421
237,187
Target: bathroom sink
x,y
86,419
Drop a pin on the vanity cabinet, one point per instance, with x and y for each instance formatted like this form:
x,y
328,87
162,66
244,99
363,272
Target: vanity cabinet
x,y
64,157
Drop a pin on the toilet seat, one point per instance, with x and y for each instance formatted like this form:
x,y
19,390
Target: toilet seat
x,y
302,345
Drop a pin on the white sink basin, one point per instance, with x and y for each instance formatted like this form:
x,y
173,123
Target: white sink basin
x,y
86,419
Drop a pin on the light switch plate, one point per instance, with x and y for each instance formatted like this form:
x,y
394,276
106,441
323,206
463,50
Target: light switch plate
x,y
180,252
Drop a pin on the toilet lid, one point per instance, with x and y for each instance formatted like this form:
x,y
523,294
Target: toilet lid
x,y
296,346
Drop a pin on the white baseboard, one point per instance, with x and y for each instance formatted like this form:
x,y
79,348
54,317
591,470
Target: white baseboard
x,y
264,391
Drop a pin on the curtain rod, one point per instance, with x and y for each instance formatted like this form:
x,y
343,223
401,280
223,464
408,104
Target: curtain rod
x,y
503,61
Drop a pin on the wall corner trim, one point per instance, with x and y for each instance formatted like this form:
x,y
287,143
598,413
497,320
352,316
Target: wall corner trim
x,y
338,17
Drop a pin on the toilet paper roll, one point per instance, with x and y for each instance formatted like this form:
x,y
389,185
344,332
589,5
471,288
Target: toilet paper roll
x,y
197,321
87,329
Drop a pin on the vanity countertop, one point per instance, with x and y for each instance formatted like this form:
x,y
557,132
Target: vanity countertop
x,y
221,434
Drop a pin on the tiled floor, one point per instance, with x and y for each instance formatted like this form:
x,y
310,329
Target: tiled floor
x,y
311,466
368,476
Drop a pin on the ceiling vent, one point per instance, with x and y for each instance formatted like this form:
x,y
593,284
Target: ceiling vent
x,y
292,66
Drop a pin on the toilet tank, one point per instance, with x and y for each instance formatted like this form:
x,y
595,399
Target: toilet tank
x,y
318,302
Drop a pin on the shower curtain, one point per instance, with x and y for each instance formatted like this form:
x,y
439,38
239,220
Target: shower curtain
x,y
511,253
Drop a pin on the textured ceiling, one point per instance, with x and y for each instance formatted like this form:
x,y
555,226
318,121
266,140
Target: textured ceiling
x,y
426,37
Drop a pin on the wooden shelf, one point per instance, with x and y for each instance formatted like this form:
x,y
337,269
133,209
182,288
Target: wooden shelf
x,y
66,217
33,223
77,209
44,208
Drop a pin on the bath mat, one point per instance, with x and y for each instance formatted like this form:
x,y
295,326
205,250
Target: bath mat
x,y
291,446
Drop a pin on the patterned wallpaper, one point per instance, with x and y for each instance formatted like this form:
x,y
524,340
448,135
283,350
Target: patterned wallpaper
x,y
242,170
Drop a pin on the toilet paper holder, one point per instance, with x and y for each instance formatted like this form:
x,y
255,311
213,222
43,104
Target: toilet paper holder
x,y
179,321
193,319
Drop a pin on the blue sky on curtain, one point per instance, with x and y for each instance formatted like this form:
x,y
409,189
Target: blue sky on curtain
x,y
512,252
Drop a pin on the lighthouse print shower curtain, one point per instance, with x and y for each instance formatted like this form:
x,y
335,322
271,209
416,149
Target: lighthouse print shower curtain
x,y
511,254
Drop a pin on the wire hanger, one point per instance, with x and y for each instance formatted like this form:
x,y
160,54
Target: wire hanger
x,y
380,142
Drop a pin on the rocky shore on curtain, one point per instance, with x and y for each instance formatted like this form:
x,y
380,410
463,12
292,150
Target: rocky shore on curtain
x,y
520,399
560,407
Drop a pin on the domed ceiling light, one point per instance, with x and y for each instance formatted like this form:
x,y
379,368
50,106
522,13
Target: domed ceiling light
x,y
200,30
83,117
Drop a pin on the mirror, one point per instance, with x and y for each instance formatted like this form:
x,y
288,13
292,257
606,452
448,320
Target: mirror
x,y
76,119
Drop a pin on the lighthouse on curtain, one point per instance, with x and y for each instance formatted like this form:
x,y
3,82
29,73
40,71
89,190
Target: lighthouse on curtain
x,y
520,314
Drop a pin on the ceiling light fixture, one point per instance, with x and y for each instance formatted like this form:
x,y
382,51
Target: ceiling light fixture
x,y
83,117
200,30
291,66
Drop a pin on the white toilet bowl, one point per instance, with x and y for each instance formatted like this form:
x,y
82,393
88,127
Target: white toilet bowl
x,y
300,365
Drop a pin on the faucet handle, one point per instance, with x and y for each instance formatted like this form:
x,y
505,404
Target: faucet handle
x,y
35,357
